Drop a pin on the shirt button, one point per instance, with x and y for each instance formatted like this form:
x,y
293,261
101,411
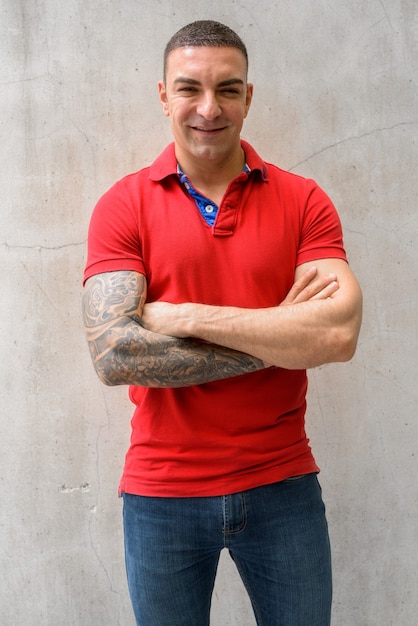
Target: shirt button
x,y
209,208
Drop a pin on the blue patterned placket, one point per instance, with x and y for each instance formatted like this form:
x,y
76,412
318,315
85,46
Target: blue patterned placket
x,y
207,208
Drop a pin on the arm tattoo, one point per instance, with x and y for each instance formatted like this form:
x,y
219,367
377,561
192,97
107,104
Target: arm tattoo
x,y
123,352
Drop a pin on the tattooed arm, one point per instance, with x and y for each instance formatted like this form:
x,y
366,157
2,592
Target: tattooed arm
x,y
123,352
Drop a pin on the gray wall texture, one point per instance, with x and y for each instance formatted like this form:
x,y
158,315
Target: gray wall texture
x,y
336,100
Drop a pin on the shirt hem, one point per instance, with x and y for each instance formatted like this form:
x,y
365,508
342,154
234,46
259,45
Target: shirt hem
x,y
222,488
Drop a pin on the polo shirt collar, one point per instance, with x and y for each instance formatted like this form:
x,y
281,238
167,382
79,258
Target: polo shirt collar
x,y
166,163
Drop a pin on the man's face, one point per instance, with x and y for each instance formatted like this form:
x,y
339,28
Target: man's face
x,y
207,97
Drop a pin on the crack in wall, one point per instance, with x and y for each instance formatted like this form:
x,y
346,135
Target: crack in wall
x,y
39,247
352,138
84,488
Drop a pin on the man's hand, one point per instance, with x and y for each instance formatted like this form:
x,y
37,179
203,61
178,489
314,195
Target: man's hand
x,y
169,319
310,286
164,318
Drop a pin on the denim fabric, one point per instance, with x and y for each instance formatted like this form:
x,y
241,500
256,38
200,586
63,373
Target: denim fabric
x,y
277,536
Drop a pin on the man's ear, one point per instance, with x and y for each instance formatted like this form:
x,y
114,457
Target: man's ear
x,y
249,97
163,97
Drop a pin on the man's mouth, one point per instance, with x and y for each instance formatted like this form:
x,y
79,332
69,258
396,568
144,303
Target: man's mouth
x,y
203,129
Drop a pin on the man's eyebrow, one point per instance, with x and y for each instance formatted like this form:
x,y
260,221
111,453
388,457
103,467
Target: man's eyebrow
x,y
188,81
223,83
231,81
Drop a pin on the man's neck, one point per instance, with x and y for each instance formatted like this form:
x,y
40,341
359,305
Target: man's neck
x,y
208,173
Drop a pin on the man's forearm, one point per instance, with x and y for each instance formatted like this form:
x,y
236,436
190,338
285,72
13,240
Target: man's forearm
x,y
126,353
302,336
318,321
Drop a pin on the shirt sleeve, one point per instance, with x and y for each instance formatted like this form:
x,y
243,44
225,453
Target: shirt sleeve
x,y
113,242
321,232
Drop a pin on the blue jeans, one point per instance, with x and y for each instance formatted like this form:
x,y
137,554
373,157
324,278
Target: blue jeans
x,y
277,536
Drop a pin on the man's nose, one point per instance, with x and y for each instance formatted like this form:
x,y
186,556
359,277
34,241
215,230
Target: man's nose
x,y
208,107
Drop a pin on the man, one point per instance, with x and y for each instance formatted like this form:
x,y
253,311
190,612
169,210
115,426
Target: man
x,y
213,280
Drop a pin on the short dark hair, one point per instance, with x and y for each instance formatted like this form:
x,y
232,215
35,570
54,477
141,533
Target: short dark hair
x,y
205,33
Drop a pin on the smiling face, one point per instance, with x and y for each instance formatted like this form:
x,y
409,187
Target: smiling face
x,y
207,97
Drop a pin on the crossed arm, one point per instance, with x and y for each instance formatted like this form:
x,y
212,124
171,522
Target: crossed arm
x,y
317,323
160,345
124,352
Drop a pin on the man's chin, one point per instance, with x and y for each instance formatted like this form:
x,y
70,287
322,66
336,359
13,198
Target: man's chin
x,y
209,152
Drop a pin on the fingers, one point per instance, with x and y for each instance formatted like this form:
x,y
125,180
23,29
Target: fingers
x,y
310,286
299,286
327,291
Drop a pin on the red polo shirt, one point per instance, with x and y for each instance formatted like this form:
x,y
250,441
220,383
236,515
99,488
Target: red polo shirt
x,y
231,435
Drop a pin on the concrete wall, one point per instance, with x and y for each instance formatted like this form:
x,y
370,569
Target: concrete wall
x,y
335,99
